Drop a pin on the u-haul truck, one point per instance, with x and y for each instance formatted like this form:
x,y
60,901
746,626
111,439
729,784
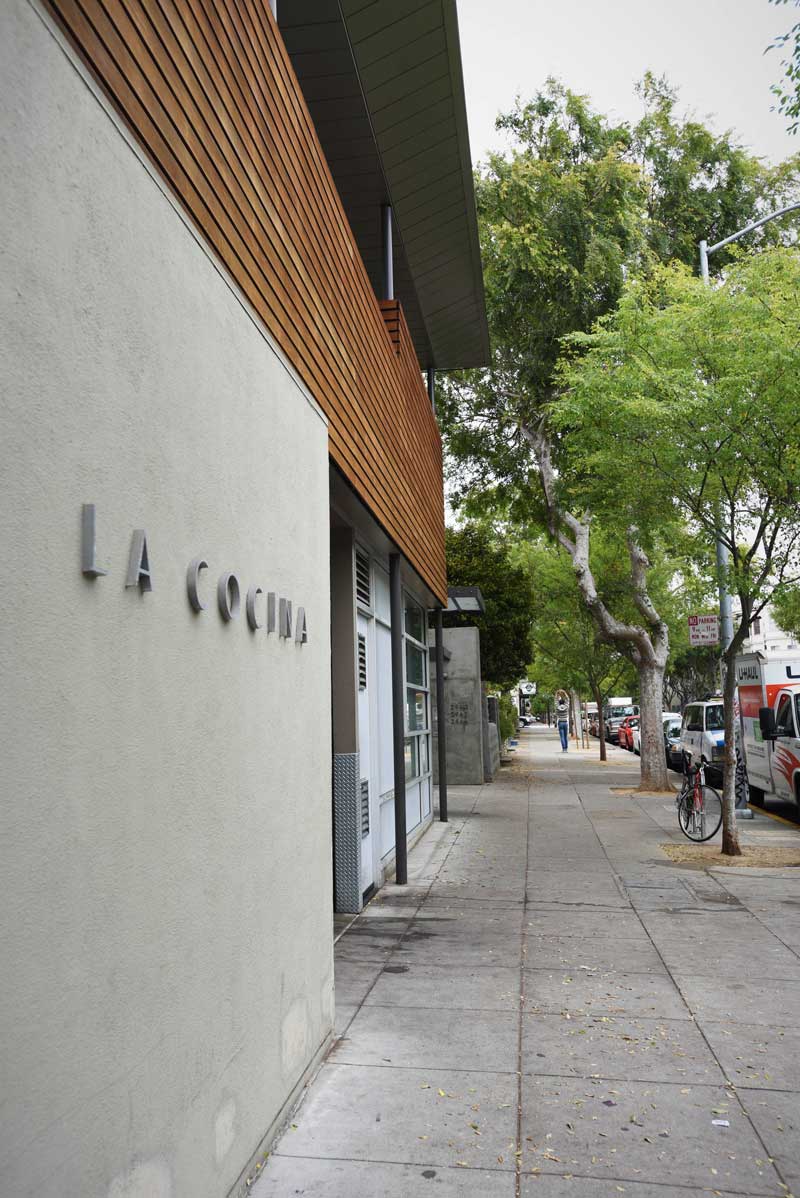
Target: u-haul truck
x,y
773,761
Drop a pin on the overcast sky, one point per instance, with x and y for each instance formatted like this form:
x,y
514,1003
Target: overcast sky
x,y
711,49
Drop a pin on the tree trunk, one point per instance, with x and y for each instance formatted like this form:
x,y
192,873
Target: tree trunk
x,y
598,698
730,833
651,731
577,718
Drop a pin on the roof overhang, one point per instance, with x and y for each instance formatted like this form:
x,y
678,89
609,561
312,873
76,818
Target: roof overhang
x,y
384,86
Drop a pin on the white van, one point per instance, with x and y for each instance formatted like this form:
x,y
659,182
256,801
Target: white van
x,y
703,735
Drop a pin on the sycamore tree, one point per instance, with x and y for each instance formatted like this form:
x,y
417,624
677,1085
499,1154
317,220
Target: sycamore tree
x,y
684,403
579,203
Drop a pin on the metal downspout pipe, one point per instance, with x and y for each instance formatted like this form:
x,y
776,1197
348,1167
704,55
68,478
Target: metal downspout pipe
x,y
388,256
441,722
398,722
432,387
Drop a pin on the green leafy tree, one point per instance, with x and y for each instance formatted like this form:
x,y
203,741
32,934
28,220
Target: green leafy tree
x,y
684,403
475,557
692,674
786,610
701,184
788,90
579,202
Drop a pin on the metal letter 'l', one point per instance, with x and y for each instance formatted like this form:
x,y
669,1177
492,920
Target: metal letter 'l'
x,y
89,566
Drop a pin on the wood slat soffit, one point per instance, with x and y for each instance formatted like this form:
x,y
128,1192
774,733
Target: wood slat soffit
x,y
384,85
209,91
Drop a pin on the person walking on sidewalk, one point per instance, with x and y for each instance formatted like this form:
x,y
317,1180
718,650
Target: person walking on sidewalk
x,y
562,718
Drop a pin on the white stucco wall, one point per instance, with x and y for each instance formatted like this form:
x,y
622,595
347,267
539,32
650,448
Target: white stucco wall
x,y
165,878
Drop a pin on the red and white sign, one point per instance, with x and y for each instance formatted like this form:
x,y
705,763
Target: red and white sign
x,y
704,630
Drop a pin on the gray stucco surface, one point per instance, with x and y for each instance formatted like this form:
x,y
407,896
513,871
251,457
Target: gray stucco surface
x,y
165,858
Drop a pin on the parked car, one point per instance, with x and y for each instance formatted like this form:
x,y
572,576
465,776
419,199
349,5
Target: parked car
x,y
672,743
625,732
703,736
667,718
615,712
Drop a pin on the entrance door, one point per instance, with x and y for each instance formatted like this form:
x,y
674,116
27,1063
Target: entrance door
x,y
368,833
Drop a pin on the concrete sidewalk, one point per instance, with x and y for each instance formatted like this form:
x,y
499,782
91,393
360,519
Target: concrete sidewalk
x,y
550,1007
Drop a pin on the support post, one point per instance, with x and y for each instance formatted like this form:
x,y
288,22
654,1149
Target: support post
x,y
432,387
388,258
441,723
722,552
398,722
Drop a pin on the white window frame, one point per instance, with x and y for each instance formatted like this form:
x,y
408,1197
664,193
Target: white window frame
x,y
424,687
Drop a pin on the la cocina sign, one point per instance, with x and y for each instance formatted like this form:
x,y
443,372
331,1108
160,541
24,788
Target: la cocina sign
x,y
263,609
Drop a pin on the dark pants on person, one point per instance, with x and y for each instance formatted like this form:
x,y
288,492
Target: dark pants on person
x,y
563,730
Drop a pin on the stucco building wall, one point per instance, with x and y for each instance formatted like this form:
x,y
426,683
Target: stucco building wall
x,y
165,876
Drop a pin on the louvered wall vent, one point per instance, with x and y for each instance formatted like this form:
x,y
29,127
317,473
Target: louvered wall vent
x,y
363,588
362,662
364,807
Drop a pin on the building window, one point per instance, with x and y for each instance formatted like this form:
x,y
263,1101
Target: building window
x,y
417,742
755,627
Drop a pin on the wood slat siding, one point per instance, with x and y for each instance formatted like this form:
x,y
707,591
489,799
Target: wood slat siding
x,y
391,318
209,91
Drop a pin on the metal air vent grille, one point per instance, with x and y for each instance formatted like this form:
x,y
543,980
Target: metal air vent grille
x,y
363,584
362,662
364,807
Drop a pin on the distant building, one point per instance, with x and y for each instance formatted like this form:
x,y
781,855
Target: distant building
x,y
766,636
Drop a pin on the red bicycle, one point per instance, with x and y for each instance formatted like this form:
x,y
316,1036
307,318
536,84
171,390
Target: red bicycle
x,y
699,806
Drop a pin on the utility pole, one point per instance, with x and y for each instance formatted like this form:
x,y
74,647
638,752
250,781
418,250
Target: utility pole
x,y
723,554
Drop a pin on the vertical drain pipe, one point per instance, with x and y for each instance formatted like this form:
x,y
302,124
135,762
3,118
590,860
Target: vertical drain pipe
x,y
398,722
441,722
432,387
388,258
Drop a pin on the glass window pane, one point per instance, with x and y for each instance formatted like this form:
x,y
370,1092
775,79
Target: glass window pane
x,y
411,756
415,710
414,620
423,755
715,718
415,665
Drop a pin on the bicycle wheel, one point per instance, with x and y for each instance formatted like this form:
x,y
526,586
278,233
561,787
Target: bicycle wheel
x,y
703,824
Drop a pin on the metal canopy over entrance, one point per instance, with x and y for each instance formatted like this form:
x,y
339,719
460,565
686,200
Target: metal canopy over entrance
x,y
384,86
